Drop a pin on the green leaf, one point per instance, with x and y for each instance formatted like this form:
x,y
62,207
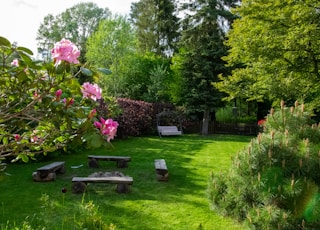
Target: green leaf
x,y
22,76
24,158
60,69
26,50
4,42
5,140
86,71
95,143
27,59
93,140
104,70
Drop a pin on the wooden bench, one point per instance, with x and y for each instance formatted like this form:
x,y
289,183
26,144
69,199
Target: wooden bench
x,y
79,184
168,131
48,172
161,170
122,162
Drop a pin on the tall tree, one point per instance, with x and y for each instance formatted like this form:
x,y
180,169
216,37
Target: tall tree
x,y
111,47
76,24
157,26
147,77
202,42
277,46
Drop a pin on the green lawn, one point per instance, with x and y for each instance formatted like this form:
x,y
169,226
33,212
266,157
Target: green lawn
x,y
179,204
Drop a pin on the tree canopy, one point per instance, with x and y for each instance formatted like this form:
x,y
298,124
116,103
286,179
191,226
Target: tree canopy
x,y
202,45
275,50
157,26
111,46
76,24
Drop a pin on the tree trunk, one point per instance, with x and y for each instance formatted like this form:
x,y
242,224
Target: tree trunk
x,y
205,122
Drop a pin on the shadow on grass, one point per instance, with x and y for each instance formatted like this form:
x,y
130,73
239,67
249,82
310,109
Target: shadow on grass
x,y
187,175
180,203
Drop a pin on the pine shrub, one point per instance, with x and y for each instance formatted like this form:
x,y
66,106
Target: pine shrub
x,y
274,182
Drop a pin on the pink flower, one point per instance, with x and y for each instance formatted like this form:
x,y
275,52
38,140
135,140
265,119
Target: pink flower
x,y
17,137
34,139
65,50
15,62
97,124
71,101
92,113
58,94
68,102
36,95
92,91
107,128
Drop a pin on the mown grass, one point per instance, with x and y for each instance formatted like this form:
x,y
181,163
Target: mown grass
x,y
179,204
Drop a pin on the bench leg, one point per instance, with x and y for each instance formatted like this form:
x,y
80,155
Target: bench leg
x,y
93,163
123,188
162,175
79,187
122,163
62,170
38,177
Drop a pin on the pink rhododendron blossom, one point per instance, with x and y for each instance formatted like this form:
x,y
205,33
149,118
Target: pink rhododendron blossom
x,y
36,95
92,113
17,137
71,101
34,139
58,94
92,91
65,50
107,128
15,62
97,124
68,102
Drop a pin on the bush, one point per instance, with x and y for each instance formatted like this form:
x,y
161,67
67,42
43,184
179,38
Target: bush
x,y
43,108
274,183
226,114
136,118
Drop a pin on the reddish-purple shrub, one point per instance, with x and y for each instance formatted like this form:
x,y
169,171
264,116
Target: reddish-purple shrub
x,y
138,117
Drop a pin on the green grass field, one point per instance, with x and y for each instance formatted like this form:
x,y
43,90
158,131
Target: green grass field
x,y
179,204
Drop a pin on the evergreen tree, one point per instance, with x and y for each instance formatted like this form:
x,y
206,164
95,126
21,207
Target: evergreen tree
x,y
274,183
202,42
157,26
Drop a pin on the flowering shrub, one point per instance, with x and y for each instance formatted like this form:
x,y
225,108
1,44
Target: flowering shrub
x,y
41,105
107,127
65,51
15,62
91,91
